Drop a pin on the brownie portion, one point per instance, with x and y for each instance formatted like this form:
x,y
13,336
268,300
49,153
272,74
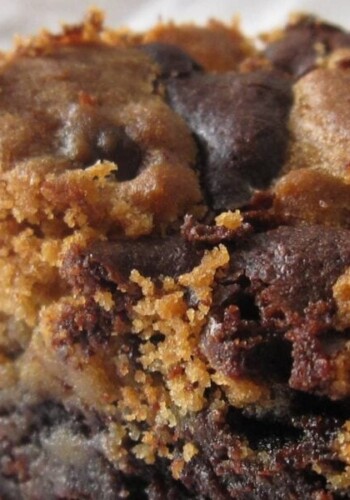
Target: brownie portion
x,y
52,453
49,453
299,265
303,43
274,314
92,105
243,458
240,122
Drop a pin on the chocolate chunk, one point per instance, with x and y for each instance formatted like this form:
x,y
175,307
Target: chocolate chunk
x,y
173,61
302,43
87,137
240,121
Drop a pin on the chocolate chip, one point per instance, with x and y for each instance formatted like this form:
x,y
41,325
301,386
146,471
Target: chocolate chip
x,y
173,61
240,121
87,137
302,43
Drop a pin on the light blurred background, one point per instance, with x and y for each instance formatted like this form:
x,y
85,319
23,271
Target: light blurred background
x,y
28,16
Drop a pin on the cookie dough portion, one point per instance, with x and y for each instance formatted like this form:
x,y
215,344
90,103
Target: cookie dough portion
x,y
217,47
72,106
320,122
88,148
314,196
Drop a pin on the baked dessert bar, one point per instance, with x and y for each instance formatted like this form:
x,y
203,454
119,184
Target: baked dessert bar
x,y
175,264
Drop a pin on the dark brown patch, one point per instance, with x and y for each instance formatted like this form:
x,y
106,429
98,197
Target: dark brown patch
x,y
173,61
240,122
297,51
112,262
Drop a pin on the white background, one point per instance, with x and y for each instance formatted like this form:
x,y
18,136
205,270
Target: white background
x,y
28,16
